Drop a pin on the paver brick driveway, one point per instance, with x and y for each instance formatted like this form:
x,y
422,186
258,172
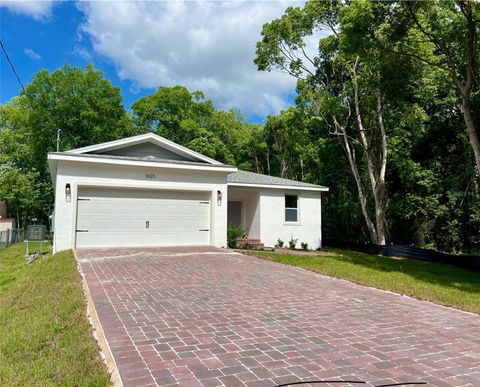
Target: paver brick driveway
x,y
206,316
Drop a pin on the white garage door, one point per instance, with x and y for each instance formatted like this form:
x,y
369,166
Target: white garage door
x,y
109,217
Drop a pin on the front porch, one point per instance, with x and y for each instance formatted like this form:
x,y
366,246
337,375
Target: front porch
x,y
244,212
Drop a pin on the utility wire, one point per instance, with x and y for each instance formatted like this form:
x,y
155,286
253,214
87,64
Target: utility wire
x,y
11,65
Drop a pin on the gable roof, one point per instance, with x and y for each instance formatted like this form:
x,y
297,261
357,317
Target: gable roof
x,y
147,137
251,179
102,154
188,159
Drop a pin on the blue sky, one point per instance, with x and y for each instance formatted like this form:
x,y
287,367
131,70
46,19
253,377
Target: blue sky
x,y
47,44
139,46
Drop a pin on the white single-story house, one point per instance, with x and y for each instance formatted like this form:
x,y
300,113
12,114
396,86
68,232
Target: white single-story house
x,y
148,191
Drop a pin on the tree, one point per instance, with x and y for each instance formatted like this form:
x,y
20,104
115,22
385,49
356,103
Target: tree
x,y
20,190
345,84
432,180
255,153
14,146
189,119
168,108
81,103
452,28
288,145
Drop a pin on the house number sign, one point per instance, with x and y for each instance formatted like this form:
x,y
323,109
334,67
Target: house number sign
x,y
150,175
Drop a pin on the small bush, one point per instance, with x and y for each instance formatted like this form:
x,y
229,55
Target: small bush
x,y
279,243
233,233
304,245
292,243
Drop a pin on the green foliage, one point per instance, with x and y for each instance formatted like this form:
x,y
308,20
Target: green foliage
x,y
279,243
233,233
431,185
21,189
189,119
304,245
81,103
292,243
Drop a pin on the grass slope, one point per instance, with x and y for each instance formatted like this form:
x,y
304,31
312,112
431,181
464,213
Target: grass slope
x,y
45,338
439,283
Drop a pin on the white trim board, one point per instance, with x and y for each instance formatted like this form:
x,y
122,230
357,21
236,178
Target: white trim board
x,y
151,164
274,186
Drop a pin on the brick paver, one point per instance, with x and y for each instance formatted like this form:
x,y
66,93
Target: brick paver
x,y
210,317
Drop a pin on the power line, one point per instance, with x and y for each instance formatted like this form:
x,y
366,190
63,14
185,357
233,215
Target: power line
x,y
11,65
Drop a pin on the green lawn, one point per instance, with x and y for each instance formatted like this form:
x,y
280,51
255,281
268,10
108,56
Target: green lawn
x,y
443,284
45,338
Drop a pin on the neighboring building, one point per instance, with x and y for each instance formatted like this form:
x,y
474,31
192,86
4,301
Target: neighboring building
x,y
3,209
7,232
148,191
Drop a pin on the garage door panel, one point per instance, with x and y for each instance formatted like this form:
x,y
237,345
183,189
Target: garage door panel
x,y
124,239
107,223
116,217
140,223
95,207
137,193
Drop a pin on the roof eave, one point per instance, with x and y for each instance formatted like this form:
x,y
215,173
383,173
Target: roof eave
x,y
54,157
52,168
277,186
176,148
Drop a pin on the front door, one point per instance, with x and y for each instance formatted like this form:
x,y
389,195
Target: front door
x,y
234,215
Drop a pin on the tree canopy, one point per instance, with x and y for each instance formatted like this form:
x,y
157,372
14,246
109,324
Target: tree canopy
x,y
81,103
375,84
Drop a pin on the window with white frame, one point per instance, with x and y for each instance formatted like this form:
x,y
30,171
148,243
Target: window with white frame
x,y
291,208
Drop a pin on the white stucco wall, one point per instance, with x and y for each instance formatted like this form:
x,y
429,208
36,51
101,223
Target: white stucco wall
x,y
250,199
272,215
7,224
85,174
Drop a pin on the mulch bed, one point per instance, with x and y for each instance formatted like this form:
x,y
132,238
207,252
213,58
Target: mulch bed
x,y
313,253
303,252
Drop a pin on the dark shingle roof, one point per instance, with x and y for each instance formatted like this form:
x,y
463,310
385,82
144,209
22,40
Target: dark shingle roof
x,y
144,158
244,177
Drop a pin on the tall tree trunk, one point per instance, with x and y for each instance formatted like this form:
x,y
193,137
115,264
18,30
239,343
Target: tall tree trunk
x,y
19,226
302,169
350,151
376,164
463,80
283,167
257,164
379,192
472,131
268,161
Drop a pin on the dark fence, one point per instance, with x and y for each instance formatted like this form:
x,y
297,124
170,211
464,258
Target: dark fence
x,y
470,262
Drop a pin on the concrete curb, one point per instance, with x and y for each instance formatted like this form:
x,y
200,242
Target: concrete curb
x,y
99,334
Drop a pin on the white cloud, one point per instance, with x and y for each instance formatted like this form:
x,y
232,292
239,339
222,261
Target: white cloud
x,y
204,45
32,54
83,53
39,9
